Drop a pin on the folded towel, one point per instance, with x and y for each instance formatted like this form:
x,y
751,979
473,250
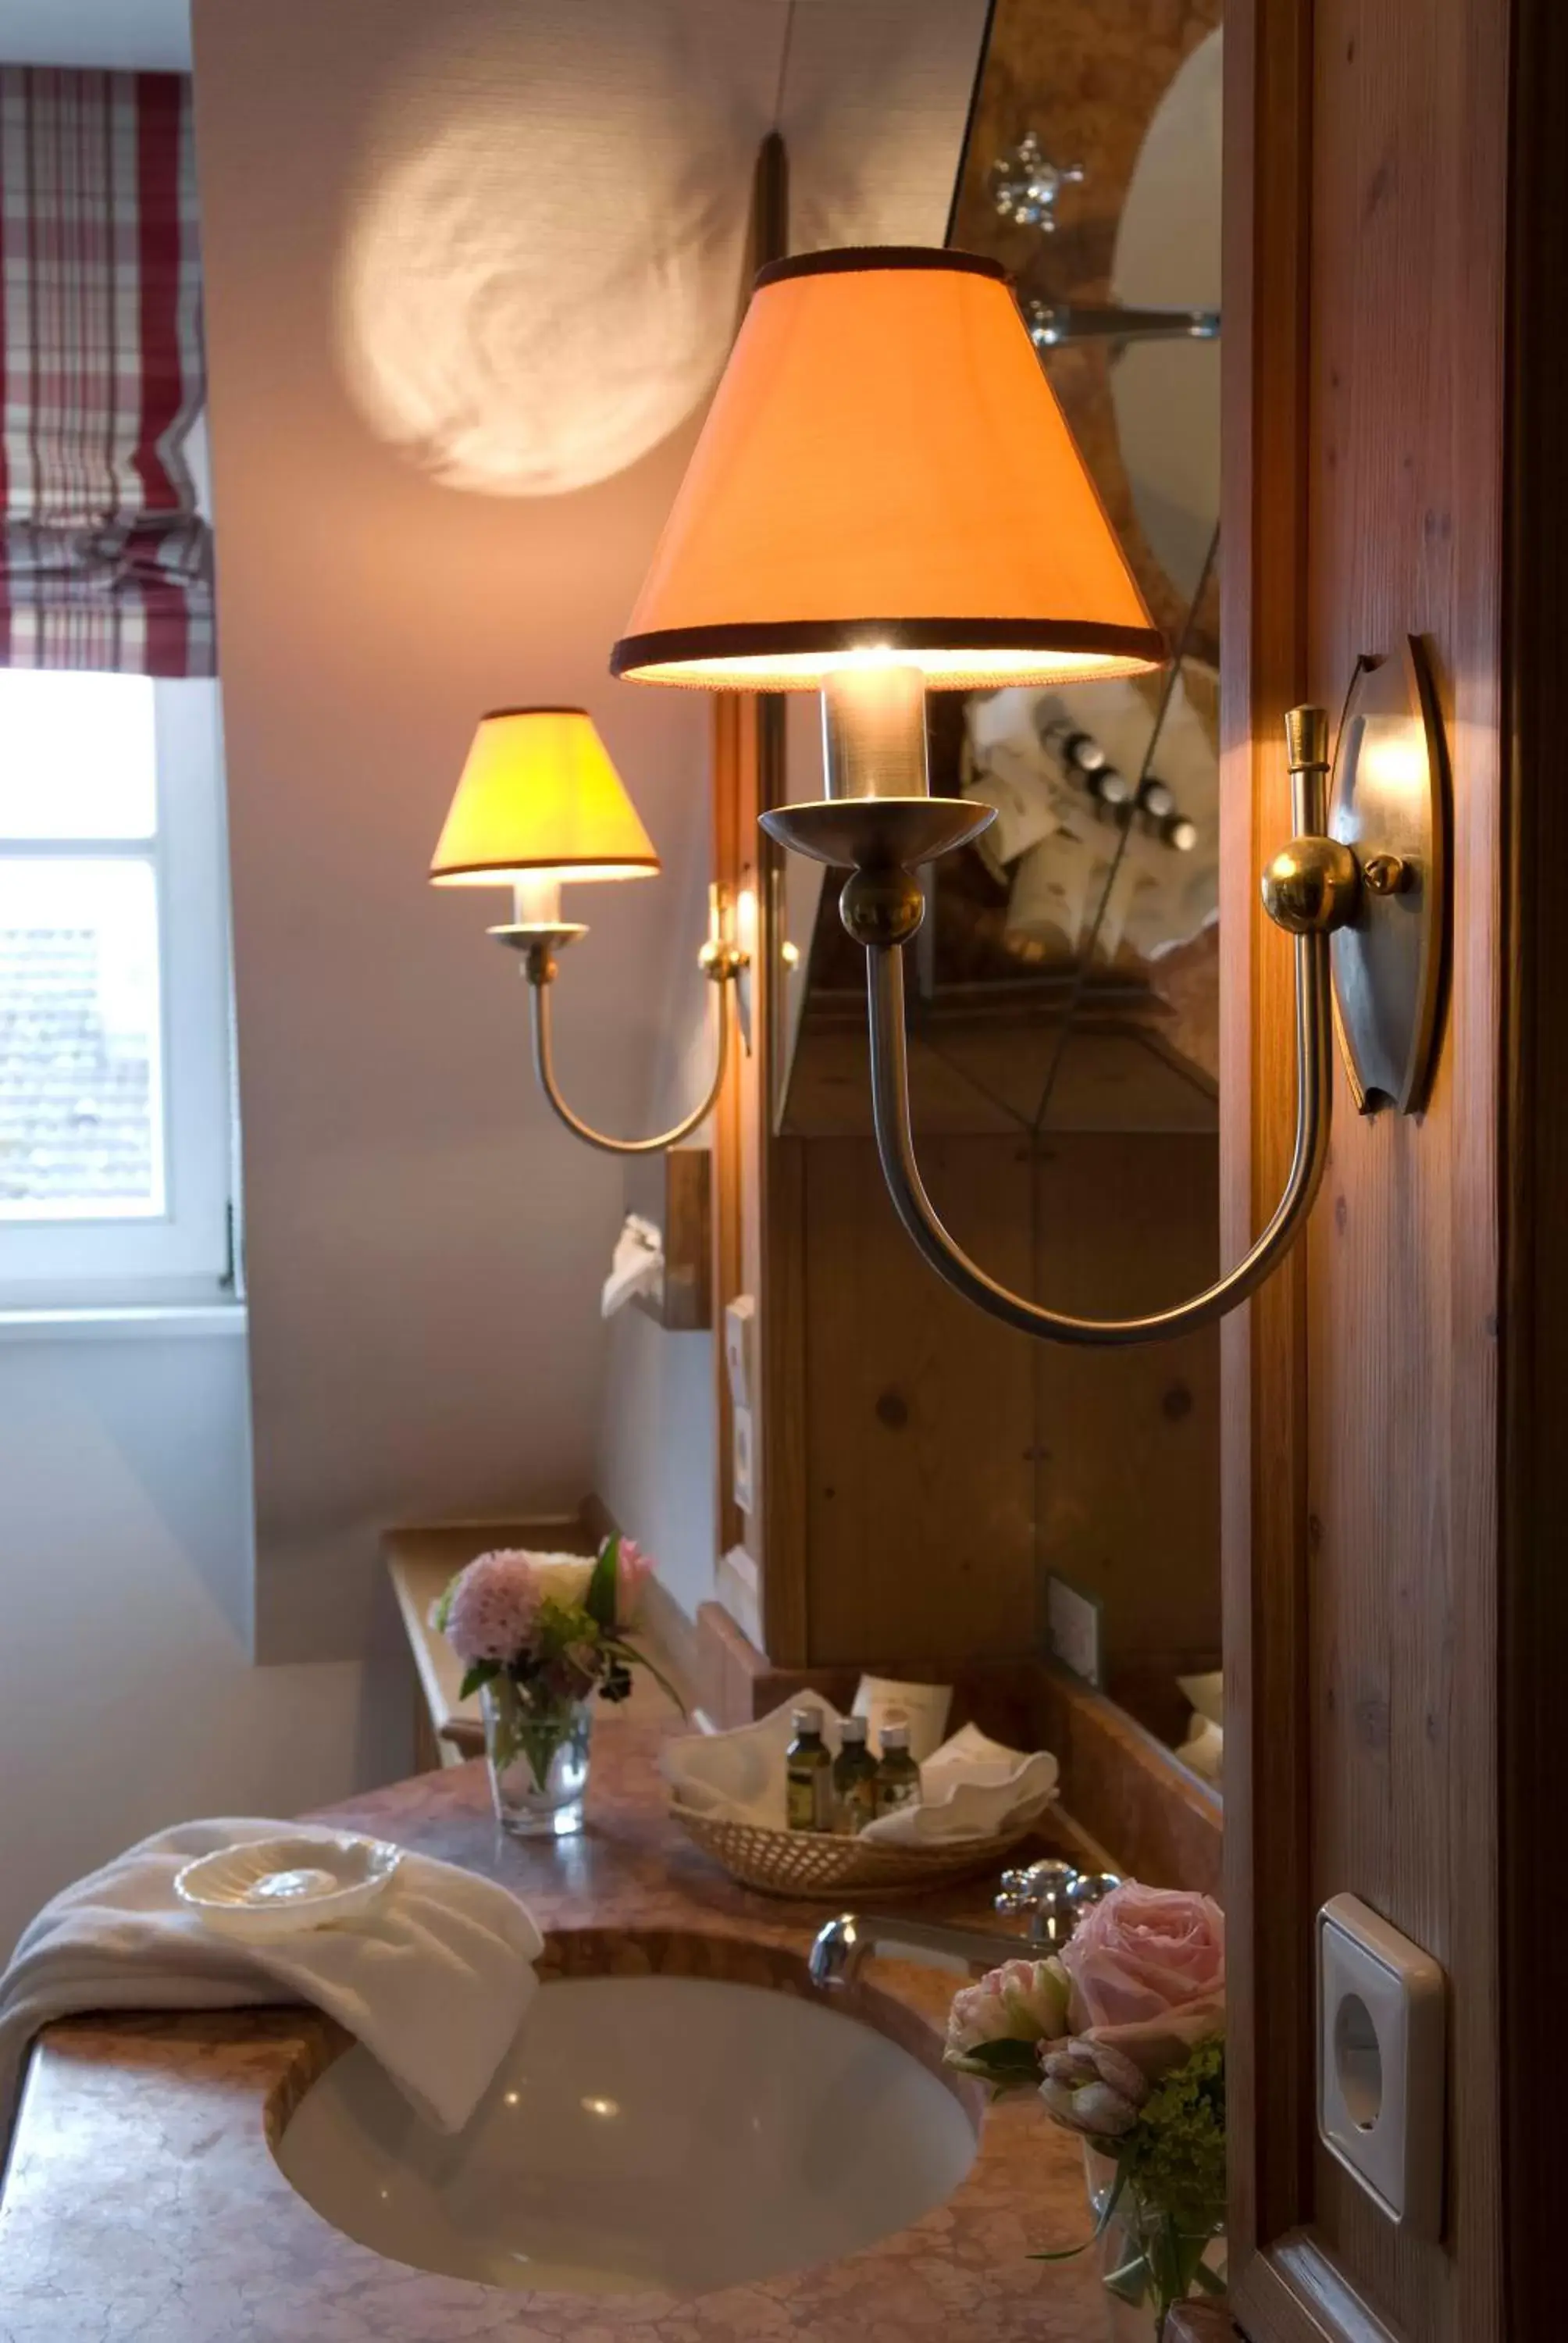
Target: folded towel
x,y
433,1977
970,1788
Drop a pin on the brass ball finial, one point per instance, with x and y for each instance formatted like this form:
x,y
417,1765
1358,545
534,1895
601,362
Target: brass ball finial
x,y
881,906
1310,886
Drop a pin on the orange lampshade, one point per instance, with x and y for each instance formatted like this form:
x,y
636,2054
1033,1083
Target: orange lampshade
x,y
539,797
885,468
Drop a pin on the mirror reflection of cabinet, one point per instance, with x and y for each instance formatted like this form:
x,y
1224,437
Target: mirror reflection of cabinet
x,y
919,1474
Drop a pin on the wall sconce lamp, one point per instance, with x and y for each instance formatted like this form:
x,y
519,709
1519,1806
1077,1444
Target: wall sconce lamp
x,y
885,499
539,805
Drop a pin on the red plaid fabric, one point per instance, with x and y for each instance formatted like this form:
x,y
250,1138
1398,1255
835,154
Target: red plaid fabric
x,y
104,560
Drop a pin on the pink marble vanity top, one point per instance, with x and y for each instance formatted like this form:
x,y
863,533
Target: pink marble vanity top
x,y
142,2201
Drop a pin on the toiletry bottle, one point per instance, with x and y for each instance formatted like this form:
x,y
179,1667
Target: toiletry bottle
x,y
809,1774
898,1782
854,1781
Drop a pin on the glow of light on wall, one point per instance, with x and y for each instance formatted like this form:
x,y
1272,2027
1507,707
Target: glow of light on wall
x,y
540,278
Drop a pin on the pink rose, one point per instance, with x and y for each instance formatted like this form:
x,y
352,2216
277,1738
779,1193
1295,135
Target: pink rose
x,y
1147,1968
632,1570
1091,2087
1024,2001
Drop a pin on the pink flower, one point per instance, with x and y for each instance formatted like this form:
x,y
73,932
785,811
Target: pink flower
x,y
1091,2087
1024,2001
1147,1968
633,1570
492,1606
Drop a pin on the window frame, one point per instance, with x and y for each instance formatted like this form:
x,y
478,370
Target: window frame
x,y
185,1253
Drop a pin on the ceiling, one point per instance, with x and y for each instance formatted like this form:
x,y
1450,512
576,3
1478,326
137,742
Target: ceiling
x,y
152,35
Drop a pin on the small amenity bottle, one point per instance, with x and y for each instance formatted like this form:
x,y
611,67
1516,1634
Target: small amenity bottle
x,y
898,1782
854,1781
809,1774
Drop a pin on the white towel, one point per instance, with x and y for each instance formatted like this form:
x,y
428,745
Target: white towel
x,y
433,1977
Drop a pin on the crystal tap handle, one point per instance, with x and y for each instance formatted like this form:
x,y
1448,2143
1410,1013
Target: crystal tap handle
x,y
1053,1897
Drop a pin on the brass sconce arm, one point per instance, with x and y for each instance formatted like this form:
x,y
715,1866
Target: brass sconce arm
x,y
721,965
896,1146
1332,897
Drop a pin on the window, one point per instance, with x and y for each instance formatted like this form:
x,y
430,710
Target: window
x,y
116,1114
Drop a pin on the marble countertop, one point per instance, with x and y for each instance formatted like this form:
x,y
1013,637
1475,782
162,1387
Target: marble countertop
x,y
142,2200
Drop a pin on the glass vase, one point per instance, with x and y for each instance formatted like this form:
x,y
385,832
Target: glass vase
x,y
1151,2259
538,1750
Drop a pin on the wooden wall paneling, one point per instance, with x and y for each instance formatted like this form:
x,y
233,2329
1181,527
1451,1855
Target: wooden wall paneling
x,y
1128,1441
919,1425
1360,1601
1263,1513
1408,231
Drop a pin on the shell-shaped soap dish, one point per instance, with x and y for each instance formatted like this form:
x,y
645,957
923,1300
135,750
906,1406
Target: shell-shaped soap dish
x,y
275,1886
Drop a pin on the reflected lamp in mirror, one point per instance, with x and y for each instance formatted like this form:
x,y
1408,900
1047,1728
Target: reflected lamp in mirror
x,y
886,498
540,806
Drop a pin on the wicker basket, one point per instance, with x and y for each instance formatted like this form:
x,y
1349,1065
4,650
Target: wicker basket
x,y
812,1866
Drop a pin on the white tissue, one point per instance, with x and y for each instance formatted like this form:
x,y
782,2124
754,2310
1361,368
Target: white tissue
x,y
1204,1749
970,1788
638,1266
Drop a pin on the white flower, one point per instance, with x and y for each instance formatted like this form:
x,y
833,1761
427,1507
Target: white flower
x,y
1024,2001
563,1577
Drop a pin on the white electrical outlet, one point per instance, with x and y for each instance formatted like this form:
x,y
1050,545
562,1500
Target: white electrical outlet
x,y
1072,1629
1380,2062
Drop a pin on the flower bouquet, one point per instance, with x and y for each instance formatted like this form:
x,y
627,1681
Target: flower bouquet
x,y
540,1635
1122,2036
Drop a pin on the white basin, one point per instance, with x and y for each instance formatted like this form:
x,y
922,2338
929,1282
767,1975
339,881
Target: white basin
x,y
669,2133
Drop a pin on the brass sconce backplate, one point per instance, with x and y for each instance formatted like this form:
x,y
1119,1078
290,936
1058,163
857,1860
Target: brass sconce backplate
x,y
1388,802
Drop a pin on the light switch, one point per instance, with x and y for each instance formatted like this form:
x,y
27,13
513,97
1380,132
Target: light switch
x,y
1382,2052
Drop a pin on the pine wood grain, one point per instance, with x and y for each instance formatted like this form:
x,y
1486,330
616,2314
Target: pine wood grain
x,y
1369,141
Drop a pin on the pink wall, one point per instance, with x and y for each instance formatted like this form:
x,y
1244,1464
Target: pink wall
x,y
437,237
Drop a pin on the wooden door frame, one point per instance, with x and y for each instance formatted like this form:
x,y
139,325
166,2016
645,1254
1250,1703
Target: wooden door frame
x,y
1263,1499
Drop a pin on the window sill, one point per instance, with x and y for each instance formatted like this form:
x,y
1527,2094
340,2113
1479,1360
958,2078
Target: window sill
x,y
145,1322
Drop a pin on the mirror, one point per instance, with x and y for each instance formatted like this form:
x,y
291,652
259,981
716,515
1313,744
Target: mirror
x,y
1065,985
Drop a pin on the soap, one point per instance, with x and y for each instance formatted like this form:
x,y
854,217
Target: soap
x,y
283,1887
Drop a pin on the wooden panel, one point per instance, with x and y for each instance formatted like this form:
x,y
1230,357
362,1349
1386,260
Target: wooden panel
x,y
1128,1441
1411,108
970,1075
918,1414
1361,1522
1263,1513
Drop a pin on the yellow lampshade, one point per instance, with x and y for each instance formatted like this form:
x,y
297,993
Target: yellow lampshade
x,y
885,470
538,797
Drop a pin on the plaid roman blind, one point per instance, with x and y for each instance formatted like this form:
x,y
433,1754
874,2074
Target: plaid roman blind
x,y
104,560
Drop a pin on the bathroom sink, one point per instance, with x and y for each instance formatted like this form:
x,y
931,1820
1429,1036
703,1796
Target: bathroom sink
x,y
670,2133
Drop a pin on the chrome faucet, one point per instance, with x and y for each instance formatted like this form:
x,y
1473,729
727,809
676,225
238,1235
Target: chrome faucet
x,y
1054,1895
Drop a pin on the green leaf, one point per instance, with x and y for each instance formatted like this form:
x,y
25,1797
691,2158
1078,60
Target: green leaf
x,y
1009,2065
603,1586
483,1672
